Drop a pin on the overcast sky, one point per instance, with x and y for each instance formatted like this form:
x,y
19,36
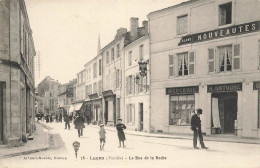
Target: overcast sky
x,y
66,31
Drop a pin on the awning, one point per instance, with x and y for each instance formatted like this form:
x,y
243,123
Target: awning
x,y
77,106
71,109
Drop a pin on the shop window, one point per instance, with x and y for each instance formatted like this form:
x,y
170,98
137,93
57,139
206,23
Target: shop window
x,y
225,14
182,24
181,109
130,113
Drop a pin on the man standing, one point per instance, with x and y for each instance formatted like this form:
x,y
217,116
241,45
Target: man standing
x,y
79,124
67,121
196,128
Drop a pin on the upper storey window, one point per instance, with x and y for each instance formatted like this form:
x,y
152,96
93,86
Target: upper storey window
x,y
182,24
225,14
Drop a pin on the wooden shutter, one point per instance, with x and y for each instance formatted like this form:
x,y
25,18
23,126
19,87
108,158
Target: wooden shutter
x,y
120,78
22,36
128,115
133,113
236,57
171,65
137,85
191,60
211,60
126,85
133,84
259,57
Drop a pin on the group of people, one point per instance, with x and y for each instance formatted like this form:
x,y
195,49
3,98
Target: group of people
x,y
79,125
120,127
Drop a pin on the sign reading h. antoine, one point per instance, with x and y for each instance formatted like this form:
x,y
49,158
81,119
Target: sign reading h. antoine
x,y
221,33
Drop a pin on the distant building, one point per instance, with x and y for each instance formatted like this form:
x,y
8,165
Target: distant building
x,y
48,93
16,73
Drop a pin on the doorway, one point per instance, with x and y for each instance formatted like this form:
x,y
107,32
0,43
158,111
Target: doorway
x,y
106,111
224,111
141,113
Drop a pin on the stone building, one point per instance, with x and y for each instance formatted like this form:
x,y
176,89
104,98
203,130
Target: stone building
x,y
206,54
48,90
16,73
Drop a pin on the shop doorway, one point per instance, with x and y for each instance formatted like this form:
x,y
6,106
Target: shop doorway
x,y
106,111
141,113
2,101
224,112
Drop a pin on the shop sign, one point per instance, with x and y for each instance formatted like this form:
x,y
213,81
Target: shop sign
x,y
225,88
182,90
256,86
221,33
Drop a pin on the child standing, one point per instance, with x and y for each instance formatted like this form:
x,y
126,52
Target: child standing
x,y
102,137
120,132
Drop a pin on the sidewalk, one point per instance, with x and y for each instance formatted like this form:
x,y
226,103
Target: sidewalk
x,y
217,138
39,143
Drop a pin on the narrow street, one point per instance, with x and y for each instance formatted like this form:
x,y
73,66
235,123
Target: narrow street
x,y
150,152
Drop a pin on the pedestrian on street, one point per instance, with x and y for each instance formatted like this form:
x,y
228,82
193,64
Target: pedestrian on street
x,y
196,128
57,118
38,115
67,121
102,137
70,117
79,124
60,117
120,132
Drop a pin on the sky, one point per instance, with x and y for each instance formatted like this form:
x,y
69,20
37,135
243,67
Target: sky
x,y
66,31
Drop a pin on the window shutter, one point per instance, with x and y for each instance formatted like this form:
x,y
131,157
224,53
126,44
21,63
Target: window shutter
x,y
133,113
211,60
22,36
126,85
133,84
114,80
191,63
236,56
259,54
120,77
137,85
128,115
171,65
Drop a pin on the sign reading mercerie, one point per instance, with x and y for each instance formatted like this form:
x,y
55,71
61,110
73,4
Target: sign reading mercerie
x,y
225,88
221,33
182,90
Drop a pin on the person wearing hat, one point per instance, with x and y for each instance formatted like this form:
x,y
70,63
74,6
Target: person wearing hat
x,y
102,136
120,132
196,128
79,124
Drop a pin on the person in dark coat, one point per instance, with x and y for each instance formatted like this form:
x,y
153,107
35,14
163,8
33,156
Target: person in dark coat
x,y
47,118
60,117
120,132
79,124
57,118
67,121
196,128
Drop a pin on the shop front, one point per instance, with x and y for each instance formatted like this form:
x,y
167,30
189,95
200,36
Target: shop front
x,y
109,108
181,107
224,107
96,108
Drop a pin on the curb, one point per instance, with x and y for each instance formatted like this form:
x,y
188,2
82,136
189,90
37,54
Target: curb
x,y
257,142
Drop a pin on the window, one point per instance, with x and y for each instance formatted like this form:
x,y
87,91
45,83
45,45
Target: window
x,y
130,84
94,70
112,54
130,58
225,58
130,113
225,14
99,87
95,87
181,108
171,66
100,67
182,24
107,57
118,50
183,64
141,52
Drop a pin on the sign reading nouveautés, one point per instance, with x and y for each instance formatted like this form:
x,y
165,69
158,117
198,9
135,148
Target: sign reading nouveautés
x,y
225,88
221,33
182,90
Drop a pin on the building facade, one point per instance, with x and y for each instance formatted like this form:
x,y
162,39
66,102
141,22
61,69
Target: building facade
x,y
16,73
48,90
207,56
137,82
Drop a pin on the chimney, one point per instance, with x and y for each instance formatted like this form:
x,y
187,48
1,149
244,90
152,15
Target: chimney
x,y
145,25
120,31
134,27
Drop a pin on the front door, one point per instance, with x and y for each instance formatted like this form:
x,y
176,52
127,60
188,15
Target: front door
x,y
141,111
230,115
106,111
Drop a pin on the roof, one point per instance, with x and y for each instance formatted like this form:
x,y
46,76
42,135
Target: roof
x,y
174,6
